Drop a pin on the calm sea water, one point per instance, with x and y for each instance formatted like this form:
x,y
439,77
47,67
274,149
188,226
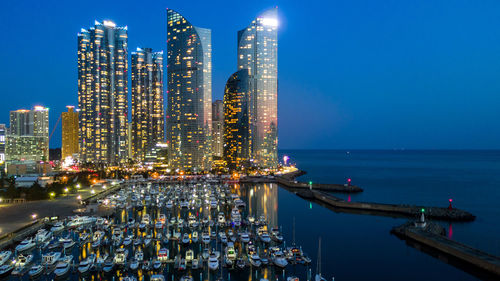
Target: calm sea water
x,y
360,247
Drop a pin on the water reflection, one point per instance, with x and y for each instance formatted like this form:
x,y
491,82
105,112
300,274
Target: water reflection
x,y
260,201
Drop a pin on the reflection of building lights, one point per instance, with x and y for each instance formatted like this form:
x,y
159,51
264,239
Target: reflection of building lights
x,y
66,189
92,191
78,185
79,197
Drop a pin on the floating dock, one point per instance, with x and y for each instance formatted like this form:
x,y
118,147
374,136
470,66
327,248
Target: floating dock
x,y
485,265
410,211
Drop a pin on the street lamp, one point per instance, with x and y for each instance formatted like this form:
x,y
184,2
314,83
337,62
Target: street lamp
x,y
33,216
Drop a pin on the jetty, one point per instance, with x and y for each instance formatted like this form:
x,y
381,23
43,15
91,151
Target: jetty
x,y
431,236
289,180
398,210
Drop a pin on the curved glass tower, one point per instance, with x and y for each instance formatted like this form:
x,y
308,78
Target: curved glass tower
x,y
189,74
237,136
258,52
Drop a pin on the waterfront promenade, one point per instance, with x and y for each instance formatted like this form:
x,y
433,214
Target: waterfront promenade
x,y
15,216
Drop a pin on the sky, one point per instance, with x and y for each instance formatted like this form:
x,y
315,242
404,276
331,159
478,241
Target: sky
x,y
352,74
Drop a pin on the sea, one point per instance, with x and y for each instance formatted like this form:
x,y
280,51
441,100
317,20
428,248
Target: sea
x,y
360,247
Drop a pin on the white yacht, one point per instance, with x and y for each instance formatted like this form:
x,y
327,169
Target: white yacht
x,y
120,256
5,256
25,245
85,265
62,268
213,262
50,258
43,235
59,226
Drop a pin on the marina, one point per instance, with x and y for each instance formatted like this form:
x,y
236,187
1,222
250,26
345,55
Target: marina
x,y
191,230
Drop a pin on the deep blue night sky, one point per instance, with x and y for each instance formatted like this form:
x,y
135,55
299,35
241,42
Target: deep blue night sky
x,y
352,73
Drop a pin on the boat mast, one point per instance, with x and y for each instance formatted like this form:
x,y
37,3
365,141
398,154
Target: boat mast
x,y
318,265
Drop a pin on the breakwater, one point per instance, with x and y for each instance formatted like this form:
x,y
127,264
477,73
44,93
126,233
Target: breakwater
x,y
410,211
430,236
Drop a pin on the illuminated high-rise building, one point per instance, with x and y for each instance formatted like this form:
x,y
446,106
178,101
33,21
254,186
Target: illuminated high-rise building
x,y
3,135
237,133
258,52
189,113
102,93
147,102
217,128
28,136
69,133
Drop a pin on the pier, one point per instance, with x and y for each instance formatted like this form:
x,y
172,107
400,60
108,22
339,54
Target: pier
x,y
410,211
485,265
289,180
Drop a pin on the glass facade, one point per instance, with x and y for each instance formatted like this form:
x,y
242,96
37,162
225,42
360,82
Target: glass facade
x,y
258,52
102,93
147,102
217,128
237,133
28,136
3,135
189,113
69,133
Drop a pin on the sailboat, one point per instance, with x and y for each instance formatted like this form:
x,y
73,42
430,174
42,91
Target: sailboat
x,y
318,276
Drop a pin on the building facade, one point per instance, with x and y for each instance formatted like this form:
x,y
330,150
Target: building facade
x,y
102,93
70,145
218,128
3,139
189,91
147,102
28,136
258,53
237,131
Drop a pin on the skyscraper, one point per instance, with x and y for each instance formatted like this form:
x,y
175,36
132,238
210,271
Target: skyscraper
x,y
189,116
3,134
69,133
217,128
147,102
102,93
28,137
237,132
258,53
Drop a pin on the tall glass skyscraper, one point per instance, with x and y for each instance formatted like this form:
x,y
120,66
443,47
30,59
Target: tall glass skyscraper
x,y
102,93
189,72
258,52
237,134
147,102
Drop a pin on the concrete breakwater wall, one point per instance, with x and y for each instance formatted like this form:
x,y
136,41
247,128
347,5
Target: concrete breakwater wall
x,y
288,180
426,236
410,211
